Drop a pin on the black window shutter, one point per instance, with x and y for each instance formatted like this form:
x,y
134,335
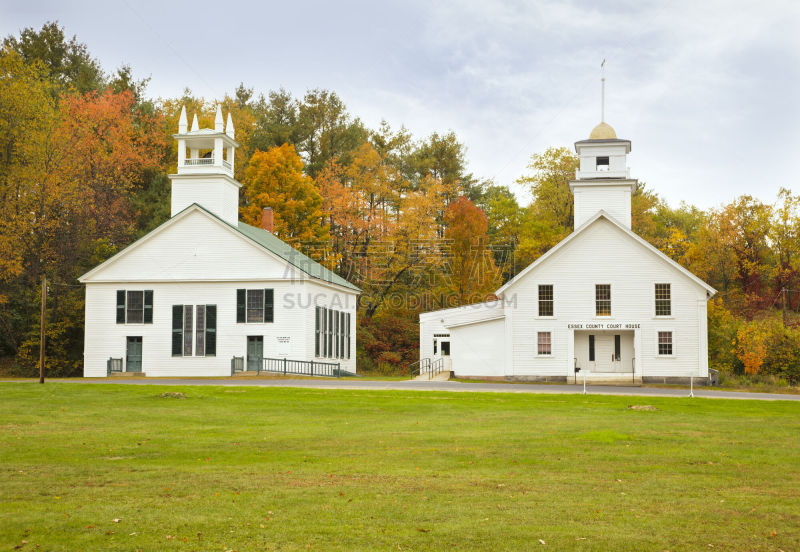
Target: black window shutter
x,y
148,306
347,330
177,330
120,306
269,305
241,305
316,332
211,330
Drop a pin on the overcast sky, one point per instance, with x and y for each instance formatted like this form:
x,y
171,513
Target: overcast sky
x,y
707,91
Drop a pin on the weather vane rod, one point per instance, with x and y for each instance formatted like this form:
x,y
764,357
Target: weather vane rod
x,y
603,91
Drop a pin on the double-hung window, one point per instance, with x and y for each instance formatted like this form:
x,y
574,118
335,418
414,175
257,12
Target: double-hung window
x,y
255,305
602,298
134,307
544,345
546,300
665,344
663,300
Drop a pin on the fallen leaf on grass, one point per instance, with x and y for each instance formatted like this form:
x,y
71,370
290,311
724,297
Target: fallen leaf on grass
x,y
541,541
116,520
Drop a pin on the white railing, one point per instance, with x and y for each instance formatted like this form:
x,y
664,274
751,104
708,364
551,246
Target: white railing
x,y
199,161
205,162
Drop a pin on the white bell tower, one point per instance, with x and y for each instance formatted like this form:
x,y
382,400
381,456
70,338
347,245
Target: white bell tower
x,y
205,177
602,181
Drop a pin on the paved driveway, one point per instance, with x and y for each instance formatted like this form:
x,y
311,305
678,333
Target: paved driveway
x,y
454,386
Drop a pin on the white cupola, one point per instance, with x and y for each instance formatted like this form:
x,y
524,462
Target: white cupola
x,y
602,181
205,176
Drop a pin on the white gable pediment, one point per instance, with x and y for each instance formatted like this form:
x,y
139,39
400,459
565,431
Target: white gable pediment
x,y
603,246
192,246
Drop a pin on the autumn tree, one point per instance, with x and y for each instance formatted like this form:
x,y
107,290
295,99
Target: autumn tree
x,y
67,63
275,178
473,274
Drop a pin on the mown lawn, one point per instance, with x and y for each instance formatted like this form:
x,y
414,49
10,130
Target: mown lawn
x,y
113,467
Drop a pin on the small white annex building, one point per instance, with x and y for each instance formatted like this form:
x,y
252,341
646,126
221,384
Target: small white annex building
x,y
602,300
203,288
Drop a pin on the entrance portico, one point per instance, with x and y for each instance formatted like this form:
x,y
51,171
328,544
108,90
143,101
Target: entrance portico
x,y
605,351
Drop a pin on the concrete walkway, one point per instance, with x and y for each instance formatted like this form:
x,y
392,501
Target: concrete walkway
x,y
454,386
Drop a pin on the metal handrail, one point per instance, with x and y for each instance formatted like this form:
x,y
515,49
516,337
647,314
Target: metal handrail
x,y
437,367
237,364
287,366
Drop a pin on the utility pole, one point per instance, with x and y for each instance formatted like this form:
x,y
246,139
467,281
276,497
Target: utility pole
x,y
41,329
783,310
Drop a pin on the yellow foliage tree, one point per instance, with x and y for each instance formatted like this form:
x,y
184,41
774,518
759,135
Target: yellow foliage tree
x,y
275,178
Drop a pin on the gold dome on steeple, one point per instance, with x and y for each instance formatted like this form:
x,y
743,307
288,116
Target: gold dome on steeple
x,y
603,131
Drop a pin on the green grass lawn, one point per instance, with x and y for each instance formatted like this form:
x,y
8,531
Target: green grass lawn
x,y
118,467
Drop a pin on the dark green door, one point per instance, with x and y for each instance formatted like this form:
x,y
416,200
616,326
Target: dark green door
x,y
133,357
255,352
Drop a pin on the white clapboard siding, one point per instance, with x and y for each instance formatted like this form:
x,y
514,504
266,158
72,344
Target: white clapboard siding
x,y
604,254
195,259
195,246
501,340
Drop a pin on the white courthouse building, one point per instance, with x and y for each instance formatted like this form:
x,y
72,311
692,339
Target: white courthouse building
x,y
203,287
603,299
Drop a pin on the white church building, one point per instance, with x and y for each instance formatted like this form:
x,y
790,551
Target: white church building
x,y
204,288
603,300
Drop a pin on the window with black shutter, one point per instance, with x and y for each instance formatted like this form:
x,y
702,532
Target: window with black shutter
x,y
269,305
120,306
347,339
316,330
148,306
241,305
255,305
211,330
177,330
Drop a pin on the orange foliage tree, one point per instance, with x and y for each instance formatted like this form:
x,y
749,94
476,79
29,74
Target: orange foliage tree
x,y
473,274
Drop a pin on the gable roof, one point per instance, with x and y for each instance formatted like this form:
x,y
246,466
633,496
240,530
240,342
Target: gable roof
x,y
641,241
262,238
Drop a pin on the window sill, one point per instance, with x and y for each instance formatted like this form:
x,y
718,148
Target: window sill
x,y
658,317
545,317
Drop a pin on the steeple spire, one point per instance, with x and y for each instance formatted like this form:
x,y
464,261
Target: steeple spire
x,y
195,126
218,120
182,125
229,126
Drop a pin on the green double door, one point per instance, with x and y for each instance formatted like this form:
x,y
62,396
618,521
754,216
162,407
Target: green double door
x,y
133,354
255,352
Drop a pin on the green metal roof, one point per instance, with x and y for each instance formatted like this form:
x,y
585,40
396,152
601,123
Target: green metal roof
x,y
275,245
272,243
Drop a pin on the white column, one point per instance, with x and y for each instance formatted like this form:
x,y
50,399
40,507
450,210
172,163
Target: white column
x,y
218,152
181,153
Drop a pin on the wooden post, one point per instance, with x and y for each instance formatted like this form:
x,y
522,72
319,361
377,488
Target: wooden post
x,y
783,310
41,329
